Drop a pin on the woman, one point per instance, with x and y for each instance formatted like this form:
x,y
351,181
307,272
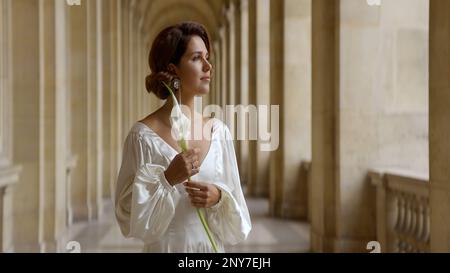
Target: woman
x,y
154,202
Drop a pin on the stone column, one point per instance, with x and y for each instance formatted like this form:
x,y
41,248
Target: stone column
x,y
79,110
131,58
94,106
439,126
259,186
119,132
125,91
324,89
9,172
53,125
113,79
27,115
291,90
223,68
231,53
252,55
106,97
94,85
243,88
141,71
216,73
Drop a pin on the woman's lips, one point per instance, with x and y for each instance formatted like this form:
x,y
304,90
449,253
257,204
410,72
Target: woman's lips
x,y
205,79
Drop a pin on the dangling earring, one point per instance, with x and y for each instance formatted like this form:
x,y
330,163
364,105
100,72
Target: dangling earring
x,y
176,84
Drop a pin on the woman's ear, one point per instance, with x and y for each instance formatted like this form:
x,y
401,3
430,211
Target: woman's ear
x,y
172,69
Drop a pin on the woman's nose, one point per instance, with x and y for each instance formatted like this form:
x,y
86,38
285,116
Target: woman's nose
x,y
207,66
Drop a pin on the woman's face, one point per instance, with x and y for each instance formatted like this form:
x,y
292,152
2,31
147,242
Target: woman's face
x,y
194,69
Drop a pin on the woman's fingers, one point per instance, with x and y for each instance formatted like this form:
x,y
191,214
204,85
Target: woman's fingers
x,y
199,205
197,193
196,185
198,200
191,152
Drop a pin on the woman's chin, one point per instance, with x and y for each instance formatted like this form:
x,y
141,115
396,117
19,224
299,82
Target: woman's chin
x,y
202,92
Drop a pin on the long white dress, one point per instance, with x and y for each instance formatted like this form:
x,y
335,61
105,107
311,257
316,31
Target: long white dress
x,y
161,215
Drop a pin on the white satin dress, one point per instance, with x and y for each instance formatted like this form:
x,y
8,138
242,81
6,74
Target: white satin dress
x,y
147,207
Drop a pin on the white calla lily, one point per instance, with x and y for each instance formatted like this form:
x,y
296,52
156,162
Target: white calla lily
x,y
181,129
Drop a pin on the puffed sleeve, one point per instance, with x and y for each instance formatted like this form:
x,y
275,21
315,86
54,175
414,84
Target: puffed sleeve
x,y
229,218
145,201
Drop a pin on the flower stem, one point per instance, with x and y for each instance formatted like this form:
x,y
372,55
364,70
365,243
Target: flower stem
x,y
184,146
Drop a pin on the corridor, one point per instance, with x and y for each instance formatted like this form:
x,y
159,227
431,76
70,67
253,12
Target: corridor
x,y
343,104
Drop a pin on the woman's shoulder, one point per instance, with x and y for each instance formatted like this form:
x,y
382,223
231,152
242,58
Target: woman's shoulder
x,y
220,128
139,128
140,132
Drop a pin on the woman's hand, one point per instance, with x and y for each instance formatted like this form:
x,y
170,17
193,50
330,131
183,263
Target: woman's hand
x,y
203,195
183,166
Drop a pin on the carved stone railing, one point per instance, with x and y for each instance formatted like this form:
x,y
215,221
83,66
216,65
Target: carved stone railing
x,y
402,211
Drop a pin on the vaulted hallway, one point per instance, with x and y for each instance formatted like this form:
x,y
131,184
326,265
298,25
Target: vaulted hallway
x,y
338,109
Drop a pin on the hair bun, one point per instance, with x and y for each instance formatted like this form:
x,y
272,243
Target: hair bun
x,y
154,84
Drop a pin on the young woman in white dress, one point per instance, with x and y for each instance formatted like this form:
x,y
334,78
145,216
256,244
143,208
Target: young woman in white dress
x,y
153,200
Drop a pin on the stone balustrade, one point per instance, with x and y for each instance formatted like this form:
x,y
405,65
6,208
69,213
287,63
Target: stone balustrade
x,y
402,211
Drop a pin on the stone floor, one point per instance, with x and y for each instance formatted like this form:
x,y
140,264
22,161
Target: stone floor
x,y
268,234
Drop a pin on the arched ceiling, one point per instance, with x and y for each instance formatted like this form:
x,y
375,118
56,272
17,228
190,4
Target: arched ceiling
x,y
157,14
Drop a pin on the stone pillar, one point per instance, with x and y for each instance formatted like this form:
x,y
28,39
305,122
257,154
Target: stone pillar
x,y
141,71
277,94
94,107
231,53
224,64
125,91
99,156
252,55
131,58
439,126
114,118
118,91
259,186
26,95
216,73
9,172
324,89
290,89
53,124
79,110
243,88
106,97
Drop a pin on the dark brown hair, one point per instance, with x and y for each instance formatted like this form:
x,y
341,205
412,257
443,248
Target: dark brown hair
x,y
168,47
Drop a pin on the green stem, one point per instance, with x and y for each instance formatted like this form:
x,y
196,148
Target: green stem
x,y
184,147
206,227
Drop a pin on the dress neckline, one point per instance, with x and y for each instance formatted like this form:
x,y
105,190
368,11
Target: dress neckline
x,y
175,150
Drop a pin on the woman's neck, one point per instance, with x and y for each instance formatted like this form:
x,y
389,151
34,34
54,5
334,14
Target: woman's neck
x,y
186,101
